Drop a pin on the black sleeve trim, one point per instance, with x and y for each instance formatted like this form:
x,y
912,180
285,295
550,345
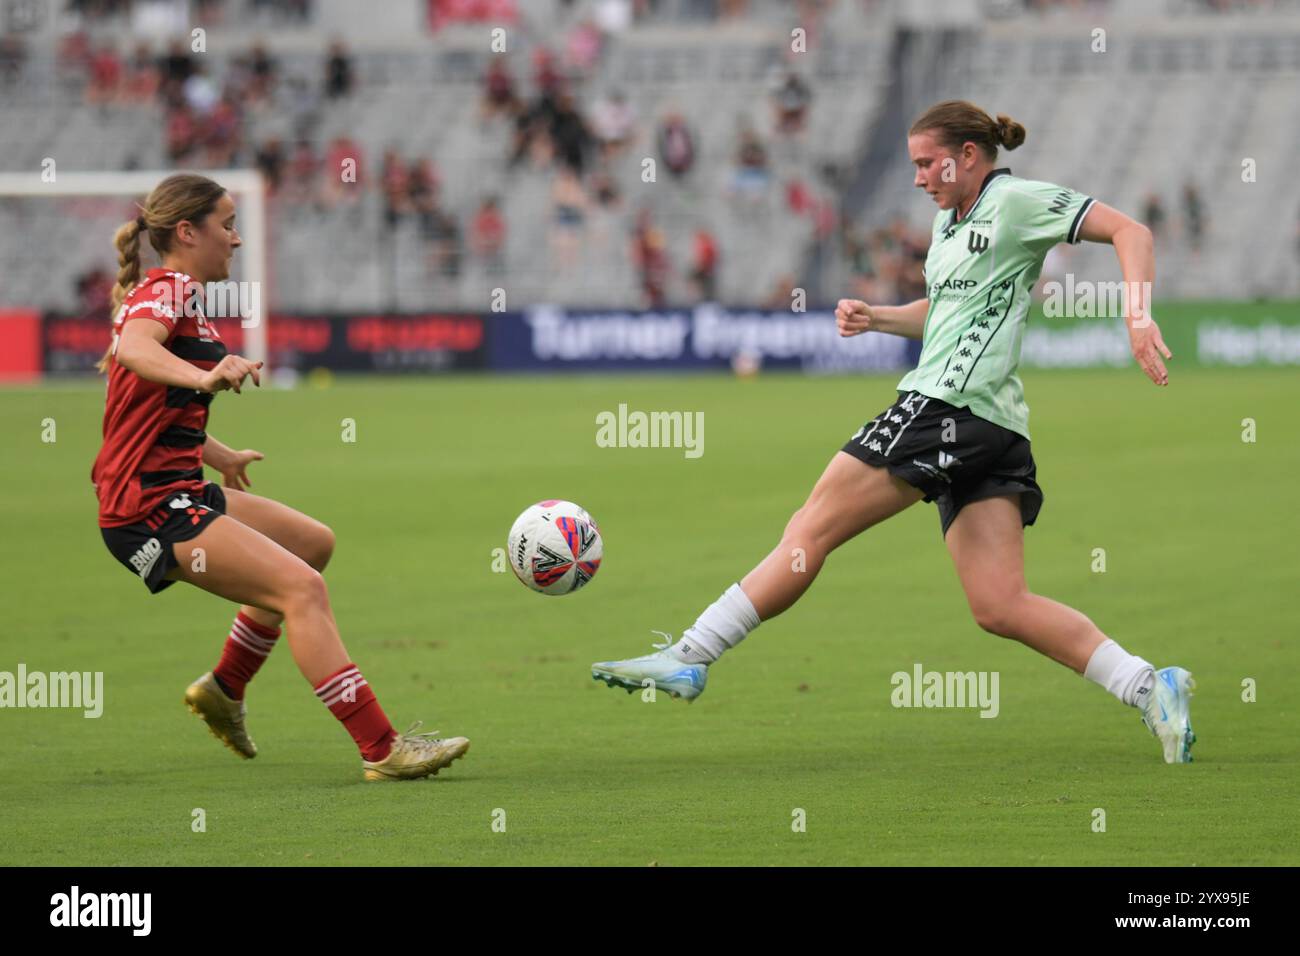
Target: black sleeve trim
x,y
1072,236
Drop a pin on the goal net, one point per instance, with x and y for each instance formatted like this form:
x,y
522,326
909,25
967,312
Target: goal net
x,y
57,258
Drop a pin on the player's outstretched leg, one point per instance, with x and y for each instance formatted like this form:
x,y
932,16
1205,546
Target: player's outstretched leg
x,y
986,541
245,566
850,497
218,695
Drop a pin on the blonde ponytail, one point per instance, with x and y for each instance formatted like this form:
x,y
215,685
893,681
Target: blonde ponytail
x,y
127,243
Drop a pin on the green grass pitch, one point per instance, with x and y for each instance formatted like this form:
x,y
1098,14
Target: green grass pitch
x,y
1199,529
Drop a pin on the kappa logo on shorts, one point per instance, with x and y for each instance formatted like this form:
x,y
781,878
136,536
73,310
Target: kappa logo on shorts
x,y
191,509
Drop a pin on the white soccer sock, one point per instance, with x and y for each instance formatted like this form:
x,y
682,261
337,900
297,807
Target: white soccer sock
x,y
722,626
1125,675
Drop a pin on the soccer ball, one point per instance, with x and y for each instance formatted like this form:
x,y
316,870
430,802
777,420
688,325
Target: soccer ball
x,y
555,547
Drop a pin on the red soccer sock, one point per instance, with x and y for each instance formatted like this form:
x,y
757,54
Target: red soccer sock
x,y
246,650
349,697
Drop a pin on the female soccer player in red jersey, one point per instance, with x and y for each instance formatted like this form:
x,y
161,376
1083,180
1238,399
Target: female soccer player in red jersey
x,y
165,523
958,435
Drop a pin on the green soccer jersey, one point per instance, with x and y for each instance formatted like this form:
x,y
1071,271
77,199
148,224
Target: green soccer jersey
x,y
978,275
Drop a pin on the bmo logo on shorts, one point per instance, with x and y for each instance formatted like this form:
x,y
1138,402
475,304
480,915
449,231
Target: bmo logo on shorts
x,y
181,501
144,559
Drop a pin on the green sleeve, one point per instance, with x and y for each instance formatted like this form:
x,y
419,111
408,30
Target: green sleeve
x,y
1043,214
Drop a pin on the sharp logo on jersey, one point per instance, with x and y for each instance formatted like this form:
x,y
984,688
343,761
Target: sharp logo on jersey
x,y
144,559
955,284
1060,201
977,242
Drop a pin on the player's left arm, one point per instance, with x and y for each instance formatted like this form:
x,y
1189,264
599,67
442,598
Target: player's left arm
x,y
1136,251
232,464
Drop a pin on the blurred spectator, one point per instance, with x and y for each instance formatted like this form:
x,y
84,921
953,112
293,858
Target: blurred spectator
x,y
749,179
262,73
221,133
704,265
105,75
342,158
568,214
1193,216
200,92
605,189
304,104
441,230
181,134
569,134
499,97
582,48
270,160
790,102
393,185
13,54
612,122
488,236
74,59
676,145
1153,214
887,263
650,257
338,72
142,77
546,73
94,288
177,66
299,185
531,133
423,186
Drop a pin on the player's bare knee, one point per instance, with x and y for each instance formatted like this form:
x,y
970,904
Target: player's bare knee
x,y
801,532
305,590
322,546
995,614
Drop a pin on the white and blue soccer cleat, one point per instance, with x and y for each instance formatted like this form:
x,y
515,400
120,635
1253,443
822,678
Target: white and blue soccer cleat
x,y
661,670
1167,714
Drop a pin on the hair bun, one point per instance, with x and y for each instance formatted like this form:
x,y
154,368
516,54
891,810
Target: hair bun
x,y
1010,133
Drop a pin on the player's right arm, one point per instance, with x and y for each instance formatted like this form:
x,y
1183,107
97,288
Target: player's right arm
x,y
854,317
140,349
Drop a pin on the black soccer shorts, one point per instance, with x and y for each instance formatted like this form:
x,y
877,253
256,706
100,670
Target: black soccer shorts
x,y
145,548
950,454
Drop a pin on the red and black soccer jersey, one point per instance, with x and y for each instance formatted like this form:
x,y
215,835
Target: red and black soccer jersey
x,y
153,433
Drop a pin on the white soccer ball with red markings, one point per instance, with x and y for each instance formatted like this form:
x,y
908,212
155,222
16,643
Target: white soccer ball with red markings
x,y
555,547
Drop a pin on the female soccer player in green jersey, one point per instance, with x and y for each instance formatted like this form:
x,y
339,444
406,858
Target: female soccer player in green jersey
x,y
958,434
